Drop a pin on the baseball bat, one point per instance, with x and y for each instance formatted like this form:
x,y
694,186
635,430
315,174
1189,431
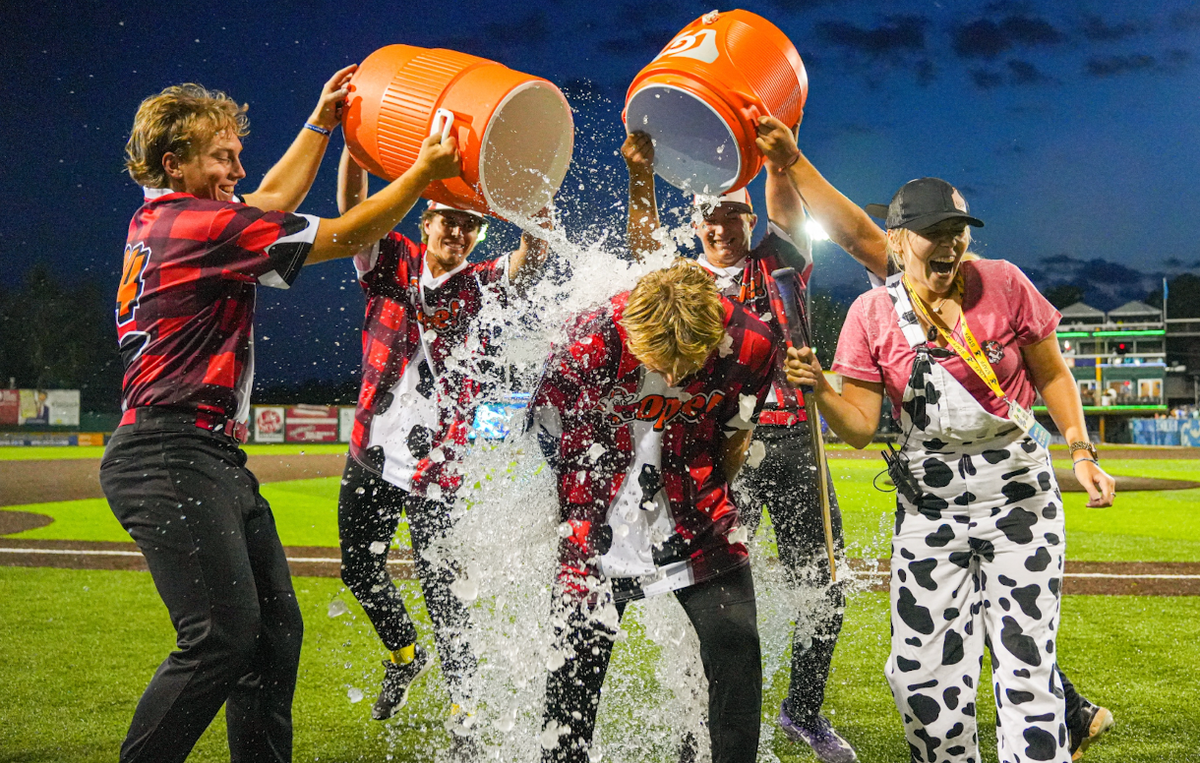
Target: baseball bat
x,y
798,336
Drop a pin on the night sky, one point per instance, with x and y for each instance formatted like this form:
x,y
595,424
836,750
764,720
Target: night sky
x,y
1071,128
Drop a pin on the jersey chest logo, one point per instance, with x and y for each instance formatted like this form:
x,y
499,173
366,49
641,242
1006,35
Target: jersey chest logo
x,y
137,256
442,318
660,409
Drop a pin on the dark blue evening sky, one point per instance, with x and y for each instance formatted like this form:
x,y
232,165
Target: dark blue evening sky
x,y
1070,127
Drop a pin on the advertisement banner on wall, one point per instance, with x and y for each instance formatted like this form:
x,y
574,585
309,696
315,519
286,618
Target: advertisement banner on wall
x,y
52,407
10,407
345,422
268,424
311,423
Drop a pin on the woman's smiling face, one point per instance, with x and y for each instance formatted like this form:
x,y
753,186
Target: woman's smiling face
x,y
931,256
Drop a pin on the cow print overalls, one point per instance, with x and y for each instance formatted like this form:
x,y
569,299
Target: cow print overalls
x,y
977,560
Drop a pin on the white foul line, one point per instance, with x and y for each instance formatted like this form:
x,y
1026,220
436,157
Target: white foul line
x,y
408,562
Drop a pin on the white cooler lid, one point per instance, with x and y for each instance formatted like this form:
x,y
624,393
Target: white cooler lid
x,y
694,149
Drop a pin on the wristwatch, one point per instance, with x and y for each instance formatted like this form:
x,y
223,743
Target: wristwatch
x,y
1084,445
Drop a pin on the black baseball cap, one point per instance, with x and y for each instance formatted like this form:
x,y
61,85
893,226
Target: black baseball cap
x,y
922,203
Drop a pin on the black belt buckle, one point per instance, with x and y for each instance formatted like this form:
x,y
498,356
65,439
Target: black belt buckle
x,y
902,477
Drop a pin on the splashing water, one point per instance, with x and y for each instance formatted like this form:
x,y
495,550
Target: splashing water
x,y
504,542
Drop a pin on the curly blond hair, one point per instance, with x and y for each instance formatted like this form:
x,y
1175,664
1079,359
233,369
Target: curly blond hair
x,y
674,317
181,120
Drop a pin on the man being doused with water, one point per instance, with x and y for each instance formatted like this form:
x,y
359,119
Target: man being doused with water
x,y
645,412
782,473
427,362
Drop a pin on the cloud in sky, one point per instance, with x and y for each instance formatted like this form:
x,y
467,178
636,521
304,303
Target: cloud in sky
x,y
1111,66
985,38
1016,73
1186,18
898,43
896,35
1096,29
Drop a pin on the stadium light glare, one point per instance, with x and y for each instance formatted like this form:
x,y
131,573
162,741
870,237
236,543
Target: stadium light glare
x,y
815,231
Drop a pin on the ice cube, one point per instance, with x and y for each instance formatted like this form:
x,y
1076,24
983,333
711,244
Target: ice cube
x,y
746,404
337,608
378,547
726,346
355,695
465,589
757,452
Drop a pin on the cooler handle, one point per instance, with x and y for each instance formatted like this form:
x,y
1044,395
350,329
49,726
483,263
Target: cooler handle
x,y
442,114
751,113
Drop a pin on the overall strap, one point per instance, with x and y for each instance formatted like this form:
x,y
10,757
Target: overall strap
x,y
905,315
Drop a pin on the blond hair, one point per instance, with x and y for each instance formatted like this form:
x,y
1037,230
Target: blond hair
x,y
426,216
182,119
675,316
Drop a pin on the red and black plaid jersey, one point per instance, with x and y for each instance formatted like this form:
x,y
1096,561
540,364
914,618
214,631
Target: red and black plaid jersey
x,y
754,288
585,408
396,319
185,306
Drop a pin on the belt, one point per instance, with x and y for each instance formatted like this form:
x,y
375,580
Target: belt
x,y
780,417
207,420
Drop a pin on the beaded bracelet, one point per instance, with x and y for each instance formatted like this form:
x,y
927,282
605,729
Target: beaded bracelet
x,y
317,128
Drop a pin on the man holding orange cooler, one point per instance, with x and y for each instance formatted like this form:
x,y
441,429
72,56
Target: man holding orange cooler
x,y
781,472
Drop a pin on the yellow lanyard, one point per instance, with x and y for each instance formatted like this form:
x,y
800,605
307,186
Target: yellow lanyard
x,y
973,355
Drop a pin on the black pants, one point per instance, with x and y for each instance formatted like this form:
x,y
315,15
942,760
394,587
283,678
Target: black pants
x,y
187,499
723,612
786,482
369,510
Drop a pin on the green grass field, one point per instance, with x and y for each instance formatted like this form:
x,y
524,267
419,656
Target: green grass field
x,y
77,647
1161,526
90,640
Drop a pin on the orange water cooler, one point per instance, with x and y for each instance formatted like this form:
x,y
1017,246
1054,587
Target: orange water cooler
x,y
515,132
701,97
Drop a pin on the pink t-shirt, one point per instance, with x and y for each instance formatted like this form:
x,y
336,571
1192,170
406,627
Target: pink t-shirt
x,y
1004,310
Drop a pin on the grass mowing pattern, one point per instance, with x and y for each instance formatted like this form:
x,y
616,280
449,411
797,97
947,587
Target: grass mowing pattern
x,y
90,640
1160,526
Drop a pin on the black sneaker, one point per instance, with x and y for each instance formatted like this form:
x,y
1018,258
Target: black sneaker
x,y
397,679
819,734
1088,727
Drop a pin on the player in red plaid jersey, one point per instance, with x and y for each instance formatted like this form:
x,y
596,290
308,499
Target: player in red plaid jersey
x,y
783,471
173,472
426,365
645,413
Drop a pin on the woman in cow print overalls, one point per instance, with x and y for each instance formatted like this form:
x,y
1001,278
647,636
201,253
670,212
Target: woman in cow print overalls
x,y
962,346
